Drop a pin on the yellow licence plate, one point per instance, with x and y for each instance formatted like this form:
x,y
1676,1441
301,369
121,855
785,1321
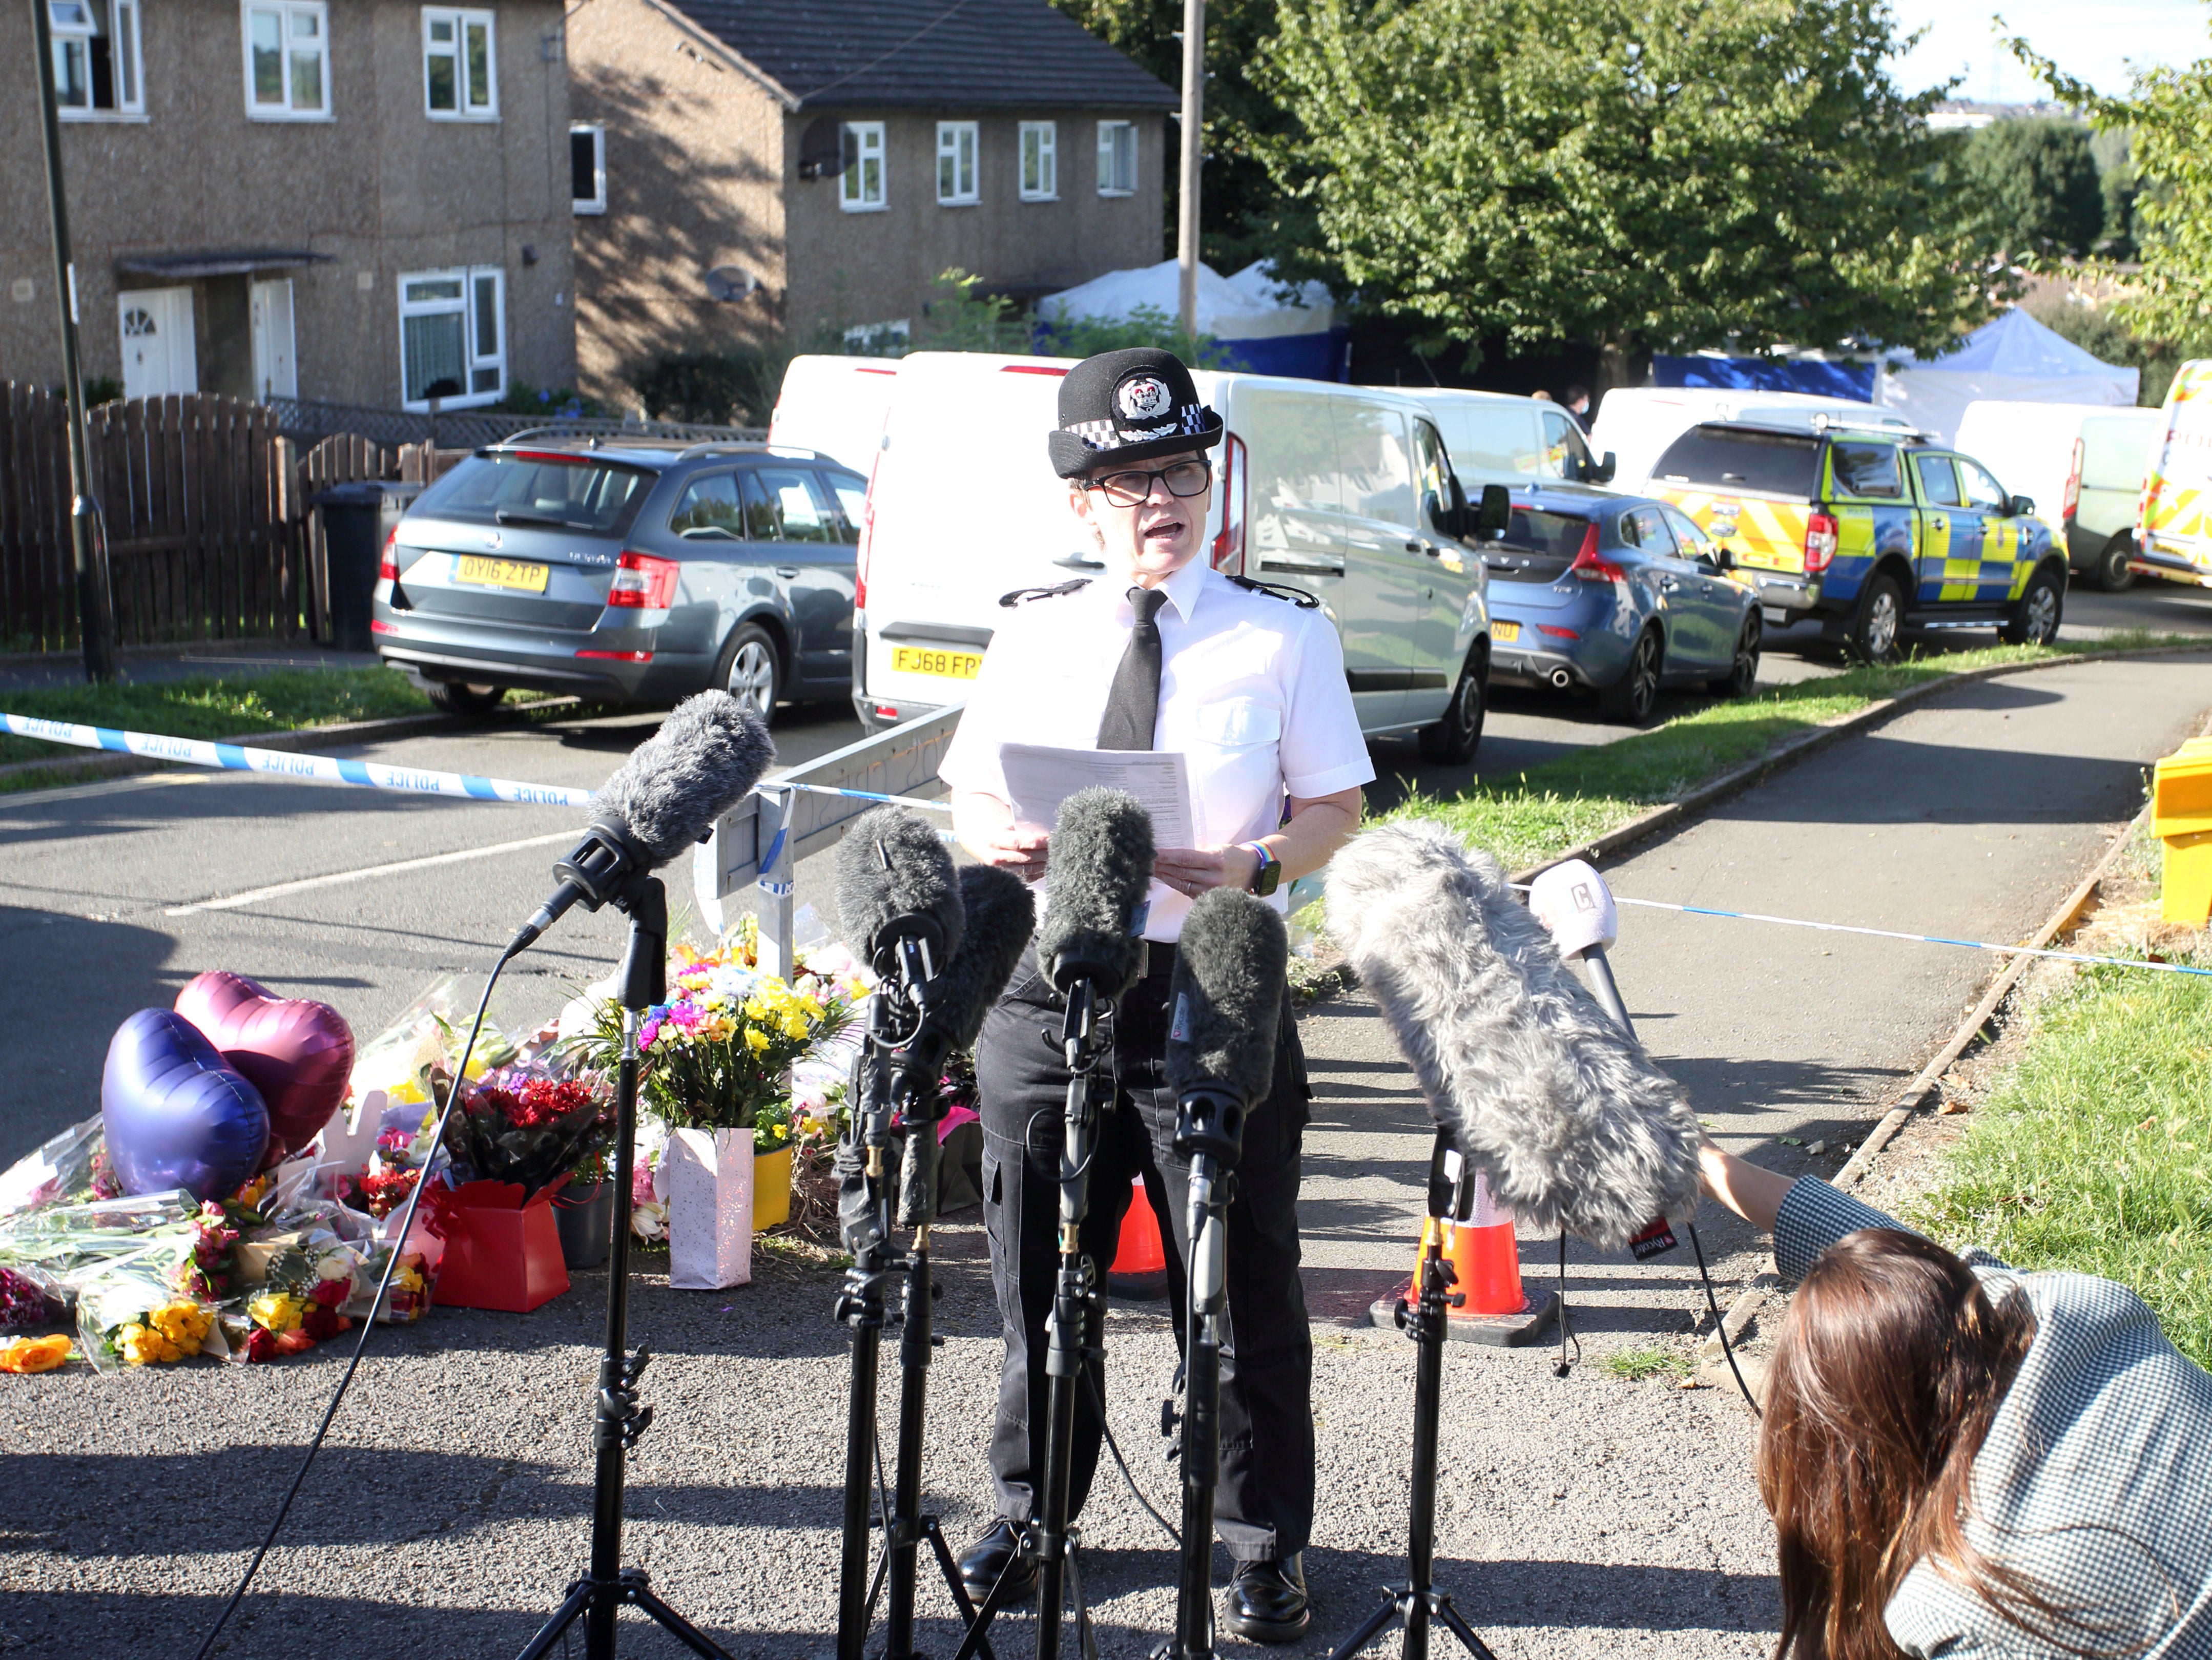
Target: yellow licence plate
x,y
500,573
1504,633
951,665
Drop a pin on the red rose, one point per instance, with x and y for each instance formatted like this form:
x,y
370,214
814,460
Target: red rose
x,y
260,1345
329,1293
320,1322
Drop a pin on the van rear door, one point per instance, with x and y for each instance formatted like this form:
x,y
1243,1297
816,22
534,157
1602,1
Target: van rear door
x,y
2170,531
1750,490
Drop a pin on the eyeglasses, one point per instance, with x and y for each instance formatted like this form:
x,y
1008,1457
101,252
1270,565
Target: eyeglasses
x,y
1135,488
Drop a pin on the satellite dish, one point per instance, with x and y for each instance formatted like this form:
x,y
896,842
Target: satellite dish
x,y
731,282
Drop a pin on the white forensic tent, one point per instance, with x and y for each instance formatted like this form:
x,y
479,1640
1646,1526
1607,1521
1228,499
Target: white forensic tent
x,y
1257,330
2014,358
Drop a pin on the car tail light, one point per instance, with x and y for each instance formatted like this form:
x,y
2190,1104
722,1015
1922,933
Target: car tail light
x,y
1557,634
388,571
378,625
868,536
643,582
1236,485
1819,542
887,712
1591,569
2072,499
618,656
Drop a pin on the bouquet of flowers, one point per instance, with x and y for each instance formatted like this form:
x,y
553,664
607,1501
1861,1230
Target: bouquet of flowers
x,y
533,1130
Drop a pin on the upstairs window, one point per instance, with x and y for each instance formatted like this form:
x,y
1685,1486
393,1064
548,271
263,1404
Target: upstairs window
x,y
453,338
96,58
286,67
1039,141
460,81
587,169
1117,158
956,164
860,185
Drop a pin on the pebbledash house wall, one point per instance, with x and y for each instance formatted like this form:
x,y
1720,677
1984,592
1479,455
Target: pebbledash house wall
x,y
379,187
702,173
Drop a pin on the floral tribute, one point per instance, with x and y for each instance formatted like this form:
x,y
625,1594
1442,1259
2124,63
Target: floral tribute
x,y
530,1130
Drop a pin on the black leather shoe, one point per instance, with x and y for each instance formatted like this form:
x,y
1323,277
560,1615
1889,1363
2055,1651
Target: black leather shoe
x,y
1267,1601
986,1559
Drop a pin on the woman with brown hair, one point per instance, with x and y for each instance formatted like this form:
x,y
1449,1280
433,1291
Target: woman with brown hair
x,y
1965,1461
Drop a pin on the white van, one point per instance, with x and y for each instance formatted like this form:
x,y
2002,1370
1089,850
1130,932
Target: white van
x,y
1496,438
834,406
2172,537
1636,424
2083,464
1344,493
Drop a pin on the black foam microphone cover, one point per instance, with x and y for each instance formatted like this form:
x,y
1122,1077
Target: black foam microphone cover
x,y
1098,867
707,754
895,877
1225,1003
1001,914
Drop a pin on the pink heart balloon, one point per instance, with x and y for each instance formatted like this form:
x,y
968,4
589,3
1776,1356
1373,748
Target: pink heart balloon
x,y
297,1053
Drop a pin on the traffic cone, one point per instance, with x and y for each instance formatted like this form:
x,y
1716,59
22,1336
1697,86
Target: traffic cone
x,y
1140,1259
1485,1262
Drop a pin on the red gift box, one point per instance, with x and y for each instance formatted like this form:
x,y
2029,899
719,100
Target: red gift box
x,y
500,1253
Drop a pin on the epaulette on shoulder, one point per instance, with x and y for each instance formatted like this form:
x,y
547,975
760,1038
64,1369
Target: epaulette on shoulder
x,y
1297,597
1010,600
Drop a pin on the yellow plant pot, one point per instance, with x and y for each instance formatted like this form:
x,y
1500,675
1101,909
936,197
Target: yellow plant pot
x,y
771,1188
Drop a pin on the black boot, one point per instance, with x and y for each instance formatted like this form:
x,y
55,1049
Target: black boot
x,y
1268,1601
986,1559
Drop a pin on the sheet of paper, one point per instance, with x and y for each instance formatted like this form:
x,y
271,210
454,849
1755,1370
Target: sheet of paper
x,y
1040,777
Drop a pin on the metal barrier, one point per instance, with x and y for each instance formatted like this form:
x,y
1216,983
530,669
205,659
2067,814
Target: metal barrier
x,y
758,845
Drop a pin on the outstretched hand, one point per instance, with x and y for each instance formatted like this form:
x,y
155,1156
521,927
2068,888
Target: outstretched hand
x,y
1193,870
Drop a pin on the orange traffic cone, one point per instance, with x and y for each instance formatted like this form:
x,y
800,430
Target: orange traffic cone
x,y
1140,1259
1485,1262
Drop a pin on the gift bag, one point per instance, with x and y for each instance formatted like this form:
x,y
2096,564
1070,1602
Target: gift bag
x,y
708,1176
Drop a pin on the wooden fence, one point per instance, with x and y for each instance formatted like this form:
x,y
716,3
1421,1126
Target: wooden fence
x,y
206,505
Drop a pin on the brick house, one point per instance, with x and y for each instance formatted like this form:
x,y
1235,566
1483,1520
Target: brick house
x,y
361,201
744,168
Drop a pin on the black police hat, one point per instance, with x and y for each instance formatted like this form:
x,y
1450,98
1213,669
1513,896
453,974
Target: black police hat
x,y
1129,406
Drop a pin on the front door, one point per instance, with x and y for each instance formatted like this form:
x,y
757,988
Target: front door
x,y
813,561
274,373
159,359
1382,595
2001,574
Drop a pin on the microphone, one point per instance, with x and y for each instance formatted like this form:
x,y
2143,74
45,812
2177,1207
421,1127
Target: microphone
x,y
896,896
704,759
1562,1111
1226,1006
1098,868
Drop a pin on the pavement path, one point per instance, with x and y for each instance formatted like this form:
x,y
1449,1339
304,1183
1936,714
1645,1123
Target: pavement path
x,y
1584,1517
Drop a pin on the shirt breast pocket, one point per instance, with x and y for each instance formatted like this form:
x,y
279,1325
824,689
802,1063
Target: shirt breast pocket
x,y
1238,724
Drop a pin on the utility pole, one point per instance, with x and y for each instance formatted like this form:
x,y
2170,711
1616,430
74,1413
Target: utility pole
x,y
1194,148
85,538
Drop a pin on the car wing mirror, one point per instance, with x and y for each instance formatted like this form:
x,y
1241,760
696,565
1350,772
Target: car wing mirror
x,y
1722,556
2022,506
1602,473
1495,514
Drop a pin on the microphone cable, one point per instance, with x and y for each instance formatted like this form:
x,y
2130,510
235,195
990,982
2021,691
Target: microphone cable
x,y
369,1323
1720,1326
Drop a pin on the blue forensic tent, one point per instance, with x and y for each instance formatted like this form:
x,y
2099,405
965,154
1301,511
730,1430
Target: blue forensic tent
x,y
1806,374
1256,331
2013,359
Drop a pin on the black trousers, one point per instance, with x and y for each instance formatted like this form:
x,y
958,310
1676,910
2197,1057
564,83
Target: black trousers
x,y
1264,1504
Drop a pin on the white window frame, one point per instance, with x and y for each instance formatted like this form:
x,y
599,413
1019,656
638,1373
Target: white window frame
x,y
128,60
1047,173
476,359
1109,134
289,15
959,170
597,201
864,141
461,20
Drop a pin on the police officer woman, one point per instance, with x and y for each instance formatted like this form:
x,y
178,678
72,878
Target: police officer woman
x,y
1163,652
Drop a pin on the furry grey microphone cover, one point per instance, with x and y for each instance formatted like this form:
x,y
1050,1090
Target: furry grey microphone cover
x,y
893,863
1098,865
709,751
1564,1114
1001,914
1225,1002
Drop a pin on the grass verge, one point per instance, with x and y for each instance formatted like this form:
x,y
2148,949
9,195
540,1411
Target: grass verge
x,y
2094,1152
216,708
1540,813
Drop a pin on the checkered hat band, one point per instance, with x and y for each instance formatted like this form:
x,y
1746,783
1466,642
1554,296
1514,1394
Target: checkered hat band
x,y
1105,436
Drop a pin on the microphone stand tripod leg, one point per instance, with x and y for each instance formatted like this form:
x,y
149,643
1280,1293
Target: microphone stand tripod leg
x,y
915,1344
1207,1228
861,1307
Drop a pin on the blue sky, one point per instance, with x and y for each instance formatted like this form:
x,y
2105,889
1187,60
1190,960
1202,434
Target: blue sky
x,y
2094,42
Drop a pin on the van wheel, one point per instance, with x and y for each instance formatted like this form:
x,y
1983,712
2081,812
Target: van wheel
x,y
2110,571
1873,636
1634,698
1452,740
750,671
459,697
1743,674
2035,619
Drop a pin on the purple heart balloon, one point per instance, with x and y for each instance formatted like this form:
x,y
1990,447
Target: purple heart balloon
x,y
175,1116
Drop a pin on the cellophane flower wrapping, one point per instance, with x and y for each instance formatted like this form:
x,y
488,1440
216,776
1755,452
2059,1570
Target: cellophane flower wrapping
x,y
60,1169
529,1127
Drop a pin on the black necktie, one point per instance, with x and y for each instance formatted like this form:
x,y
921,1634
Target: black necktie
x,y
1133,702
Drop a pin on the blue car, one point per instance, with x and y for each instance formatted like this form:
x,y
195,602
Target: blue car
x,y
1619,595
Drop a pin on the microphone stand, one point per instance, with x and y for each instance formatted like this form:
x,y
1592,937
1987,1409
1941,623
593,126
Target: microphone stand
x,y
1076,1333
898,1078
1427,1324
617,1420
1210,1132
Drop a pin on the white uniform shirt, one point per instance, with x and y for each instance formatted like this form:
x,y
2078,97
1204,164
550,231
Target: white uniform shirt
x,y
1252,691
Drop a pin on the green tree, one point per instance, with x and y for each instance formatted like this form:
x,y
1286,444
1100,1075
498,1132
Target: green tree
x,y
2033,188
2168,116
1643,174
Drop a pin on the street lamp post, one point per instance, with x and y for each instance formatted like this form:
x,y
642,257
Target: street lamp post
x,y
85,540
1194,146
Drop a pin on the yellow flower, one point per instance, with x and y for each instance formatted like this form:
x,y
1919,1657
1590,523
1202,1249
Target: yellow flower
x,y
794,1027
756,1039
407,1280
143,1347
34,1354
181,1323
275,1311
